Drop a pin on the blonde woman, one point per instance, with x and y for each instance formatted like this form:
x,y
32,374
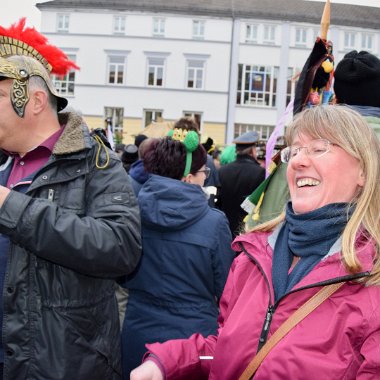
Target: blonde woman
x,y
330,233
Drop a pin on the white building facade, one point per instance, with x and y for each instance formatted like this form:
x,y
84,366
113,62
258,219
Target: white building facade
x,y
232,73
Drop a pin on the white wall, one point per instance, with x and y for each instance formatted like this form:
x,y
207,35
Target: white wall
x,y
91,38
96,41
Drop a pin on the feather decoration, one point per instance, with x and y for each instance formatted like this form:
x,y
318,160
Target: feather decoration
x,y
55,57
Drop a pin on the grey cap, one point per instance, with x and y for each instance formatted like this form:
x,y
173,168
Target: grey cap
x,y
247,138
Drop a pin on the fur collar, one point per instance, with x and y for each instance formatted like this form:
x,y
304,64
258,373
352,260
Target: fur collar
x,y
75,137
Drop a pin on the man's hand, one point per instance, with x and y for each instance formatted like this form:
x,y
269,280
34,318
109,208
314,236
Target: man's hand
x,y
147,371
4,191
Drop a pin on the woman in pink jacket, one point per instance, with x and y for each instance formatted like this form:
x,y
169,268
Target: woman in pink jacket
x,y
330,233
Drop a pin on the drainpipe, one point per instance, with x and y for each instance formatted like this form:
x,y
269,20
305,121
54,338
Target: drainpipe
x,y
232,83
282,82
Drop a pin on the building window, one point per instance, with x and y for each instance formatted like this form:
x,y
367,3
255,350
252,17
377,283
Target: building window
x,y
151,116
63,21
367,41
264,131
197,116
251,33
257,85
156,71
116,69
65,84
349,40
300,37
292,79
119,24
115,116
269,34
158,26
198,29
195,73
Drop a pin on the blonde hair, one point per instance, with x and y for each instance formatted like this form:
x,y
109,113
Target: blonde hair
x,y
345,127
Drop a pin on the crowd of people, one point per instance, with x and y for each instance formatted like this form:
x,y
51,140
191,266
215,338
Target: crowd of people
x,y
139,263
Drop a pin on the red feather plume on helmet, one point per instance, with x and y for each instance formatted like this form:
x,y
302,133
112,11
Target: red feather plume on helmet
x,y
58,60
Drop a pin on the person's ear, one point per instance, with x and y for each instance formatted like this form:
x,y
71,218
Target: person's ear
x,y
361,179
188,178
39,100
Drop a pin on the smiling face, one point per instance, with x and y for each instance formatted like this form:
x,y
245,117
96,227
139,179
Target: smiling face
x,y
315,182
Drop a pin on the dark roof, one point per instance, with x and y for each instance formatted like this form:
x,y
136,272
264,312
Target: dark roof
x,y
290,10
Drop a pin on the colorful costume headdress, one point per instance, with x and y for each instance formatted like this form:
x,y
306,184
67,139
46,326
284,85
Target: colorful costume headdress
x,y
191,141
315,80
24,53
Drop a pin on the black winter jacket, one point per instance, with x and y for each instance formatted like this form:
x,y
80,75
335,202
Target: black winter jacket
x,y
75,230
237,181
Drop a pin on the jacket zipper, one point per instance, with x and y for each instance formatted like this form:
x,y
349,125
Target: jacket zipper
x,y
272,307
267,322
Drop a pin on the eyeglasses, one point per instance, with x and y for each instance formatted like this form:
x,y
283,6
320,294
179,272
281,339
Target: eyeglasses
x,y
316,148
206,171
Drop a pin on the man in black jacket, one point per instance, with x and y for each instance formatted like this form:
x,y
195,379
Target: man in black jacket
x,y
238,179
69,225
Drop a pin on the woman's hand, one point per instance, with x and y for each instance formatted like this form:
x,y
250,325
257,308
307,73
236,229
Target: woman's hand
x,y
147,371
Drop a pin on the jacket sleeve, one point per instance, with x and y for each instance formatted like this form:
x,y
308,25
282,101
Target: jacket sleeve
x,y
222,255
370,351
104,242
182,358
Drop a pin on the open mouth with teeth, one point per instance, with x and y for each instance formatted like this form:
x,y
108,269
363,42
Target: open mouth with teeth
x,y
307,182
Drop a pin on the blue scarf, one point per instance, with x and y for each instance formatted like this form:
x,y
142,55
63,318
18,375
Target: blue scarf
x,y
308,236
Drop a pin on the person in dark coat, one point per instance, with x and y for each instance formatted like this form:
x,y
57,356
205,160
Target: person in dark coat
x,y
69,226
139,139
129,156
238,179
186,252
213,180
119,149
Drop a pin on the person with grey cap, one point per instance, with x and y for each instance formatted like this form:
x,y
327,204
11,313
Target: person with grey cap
x,y
238,179
69,225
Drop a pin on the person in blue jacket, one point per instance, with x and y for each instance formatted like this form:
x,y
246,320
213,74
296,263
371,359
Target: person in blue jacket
x,y
186,251
137,173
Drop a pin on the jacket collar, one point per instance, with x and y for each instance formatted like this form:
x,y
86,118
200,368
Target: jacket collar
x,y
260,246
75,137
246,157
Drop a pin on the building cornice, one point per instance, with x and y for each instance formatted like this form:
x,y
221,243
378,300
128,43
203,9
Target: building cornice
x,y
281,10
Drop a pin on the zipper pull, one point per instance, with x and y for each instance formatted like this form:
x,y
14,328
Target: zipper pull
x,y
268,318
265,330
51,194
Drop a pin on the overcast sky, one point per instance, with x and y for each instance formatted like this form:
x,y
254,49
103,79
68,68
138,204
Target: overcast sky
x,y
12,10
